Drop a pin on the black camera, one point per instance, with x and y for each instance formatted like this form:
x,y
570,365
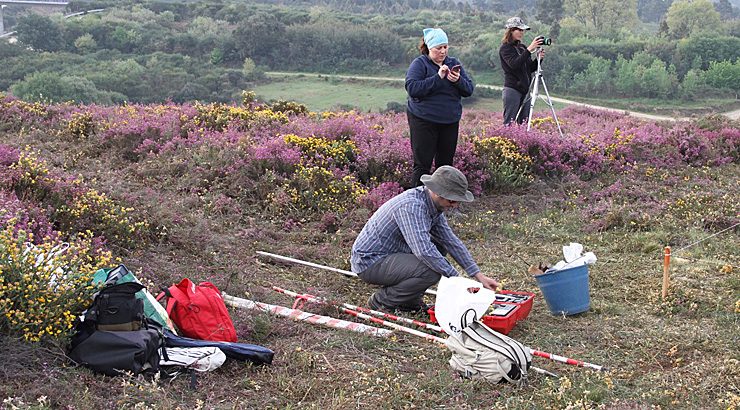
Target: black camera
x,y
546,41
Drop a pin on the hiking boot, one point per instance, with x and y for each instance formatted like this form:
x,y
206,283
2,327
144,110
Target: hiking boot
x,y
417,307
374,305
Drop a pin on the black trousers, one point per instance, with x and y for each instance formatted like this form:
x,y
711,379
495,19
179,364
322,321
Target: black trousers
x,y
514,99
431,142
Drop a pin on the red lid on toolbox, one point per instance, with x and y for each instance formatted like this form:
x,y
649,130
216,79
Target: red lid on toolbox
x,y
509,308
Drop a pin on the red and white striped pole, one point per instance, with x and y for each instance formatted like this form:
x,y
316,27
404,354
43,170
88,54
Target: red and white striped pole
x,y
566,360
414,332
432,338
300,315
373,319
363,310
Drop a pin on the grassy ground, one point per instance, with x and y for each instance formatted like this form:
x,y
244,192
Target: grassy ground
x,y
678,353
675,108
322,92
326,93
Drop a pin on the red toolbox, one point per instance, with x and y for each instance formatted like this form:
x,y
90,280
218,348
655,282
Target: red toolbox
x,y
509,308
522,299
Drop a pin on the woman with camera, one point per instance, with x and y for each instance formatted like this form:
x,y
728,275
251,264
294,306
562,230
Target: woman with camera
x,y
435,83
518,66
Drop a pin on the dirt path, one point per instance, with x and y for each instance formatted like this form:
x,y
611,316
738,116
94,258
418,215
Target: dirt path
x,y
735,115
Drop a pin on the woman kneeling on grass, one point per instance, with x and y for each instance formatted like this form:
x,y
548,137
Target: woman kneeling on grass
x,y
435,83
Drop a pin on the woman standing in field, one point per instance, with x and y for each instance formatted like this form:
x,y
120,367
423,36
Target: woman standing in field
x,y
518,66
435,83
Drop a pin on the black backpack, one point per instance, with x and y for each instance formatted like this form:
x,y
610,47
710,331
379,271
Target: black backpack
x,y
117,308
115,336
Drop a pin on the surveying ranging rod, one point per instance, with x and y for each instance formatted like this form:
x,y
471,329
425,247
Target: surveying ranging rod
x,y
427,336
566,360
360,315
300,315
362,309
392,325
316,265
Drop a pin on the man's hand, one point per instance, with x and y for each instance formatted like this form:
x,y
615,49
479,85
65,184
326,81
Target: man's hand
x,y
487,282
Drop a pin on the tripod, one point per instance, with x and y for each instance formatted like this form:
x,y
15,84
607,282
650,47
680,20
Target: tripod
x,y
535,92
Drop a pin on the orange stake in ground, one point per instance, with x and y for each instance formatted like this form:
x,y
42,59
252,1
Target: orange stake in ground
x,y
666,269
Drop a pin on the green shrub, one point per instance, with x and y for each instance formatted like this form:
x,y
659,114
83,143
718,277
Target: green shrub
x,y
596,79
317,190
505,166
724,75
43,288
289,107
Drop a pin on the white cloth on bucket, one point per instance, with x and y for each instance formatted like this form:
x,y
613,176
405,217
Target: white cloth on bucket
x,y
573,257
460,301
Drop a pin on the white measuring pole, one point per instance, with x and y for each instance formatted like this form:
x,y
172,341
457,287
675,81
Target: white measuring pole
x,y
316,265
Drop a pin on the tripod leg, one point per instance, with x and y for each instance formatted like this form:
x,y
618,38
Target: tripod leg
x,y
535,94
552,109
535,89
525,101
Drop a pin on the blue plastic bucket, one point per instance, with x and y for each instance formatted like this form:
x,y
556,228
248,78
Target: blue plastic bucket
x,y
566,291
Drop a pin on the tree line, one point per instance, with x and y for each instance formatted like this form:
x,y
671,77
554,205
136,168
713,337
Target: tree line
x,y
154,51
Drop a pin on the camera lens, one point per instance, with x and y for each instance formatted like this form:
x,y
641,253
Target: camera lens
x,y
546,41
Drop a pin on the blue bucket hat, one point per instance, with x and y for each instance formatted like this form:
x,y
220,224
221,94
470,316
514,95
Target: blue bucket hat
x,y
434,37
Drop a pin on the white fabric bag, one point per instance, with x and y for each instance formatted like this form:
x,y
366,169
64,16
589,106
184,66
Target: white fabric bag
x,y
461,301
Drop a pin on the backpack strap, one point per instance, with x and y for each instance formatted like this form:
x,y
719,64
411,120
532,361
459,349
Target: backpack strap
x,y
497,347
505,345
464,321
521,353
170,305
164,292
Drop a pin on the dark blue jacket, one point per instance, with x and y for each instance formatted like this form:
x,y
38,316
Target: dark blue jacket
x,y
432,98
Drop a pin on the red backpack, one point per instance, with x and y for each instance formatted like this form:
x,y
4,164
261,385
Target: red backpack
x,y
199,311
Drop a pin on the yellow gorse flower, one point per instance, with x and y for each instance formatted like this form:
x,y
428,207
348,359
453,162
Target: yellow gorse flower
x,y
341,152
609,151
505,164
218,116
36,108
81,125
41,285
318,189
33,170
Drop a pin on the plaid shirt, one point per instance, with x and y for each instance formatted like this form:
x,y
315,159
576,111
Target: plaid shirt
x,y
408,223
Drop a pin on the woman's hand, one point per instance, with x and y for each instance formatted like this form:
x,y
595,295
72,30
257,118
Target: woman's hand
x,y
535,43
453,76
487,282
443,71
